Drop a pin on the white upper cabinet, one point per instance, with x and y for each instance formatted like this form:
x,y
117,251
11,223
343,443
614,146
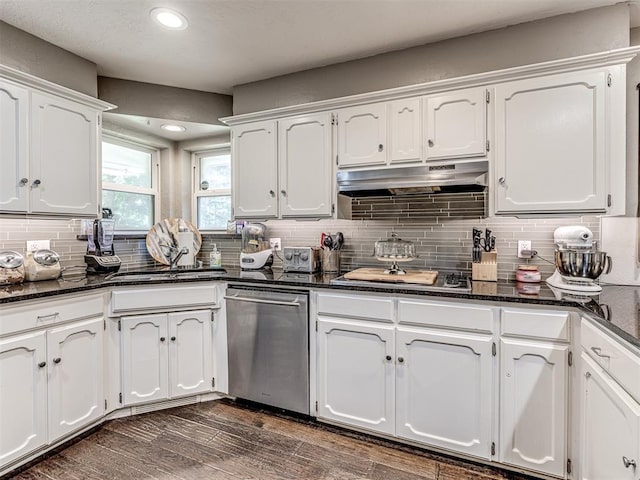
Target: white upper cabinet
x,y
362,135
64,156
49,147
305,167
551,150
405,131
255,170
455,124
14,147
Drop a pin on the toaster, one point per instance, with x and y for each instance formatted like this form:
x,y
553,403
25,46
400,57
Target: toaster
x,y
301,259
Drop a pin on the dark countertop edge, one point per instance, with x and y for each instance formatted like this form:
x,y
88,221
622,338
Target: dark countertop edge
x,y
234,278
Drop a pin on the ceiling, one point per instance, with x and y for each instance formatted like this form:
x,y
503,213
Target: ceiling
x,y
231,42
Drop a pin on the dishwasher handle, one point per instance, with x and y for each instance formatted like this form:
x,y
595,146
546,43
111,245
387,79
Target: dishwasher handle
x,y
258,300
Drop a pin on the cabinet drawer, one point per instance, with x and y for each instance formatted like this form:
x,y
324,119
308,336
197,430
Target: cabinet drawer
x,y
49,312
154,298
619,361
356,306
439,314
548,324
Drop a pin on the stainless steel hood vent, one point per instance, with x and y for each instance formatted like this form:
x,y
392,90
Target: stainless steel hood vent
x,y
459,176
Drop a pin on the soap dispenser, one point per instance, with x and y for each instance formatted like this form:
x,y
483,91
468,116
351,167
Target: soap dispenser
x,y
215,258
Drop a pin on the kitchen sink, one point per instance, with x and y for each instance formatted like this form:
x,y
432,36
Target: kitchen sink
x,y
153,275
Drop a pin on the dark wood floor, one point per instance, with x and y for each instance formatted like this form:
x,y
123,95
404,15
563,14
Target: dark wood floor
x,y
223,440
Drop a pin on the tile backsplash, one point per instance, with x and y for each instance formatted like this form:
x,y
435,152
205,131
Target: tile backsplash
x,y
443,242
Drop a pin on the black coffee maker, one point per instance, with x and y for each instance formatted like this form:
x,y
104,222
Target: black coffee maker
x,y
101,257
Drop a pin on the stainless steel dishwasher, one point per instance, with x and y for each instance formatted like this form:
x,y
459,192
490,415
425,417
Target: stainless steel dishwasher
x,y
268,340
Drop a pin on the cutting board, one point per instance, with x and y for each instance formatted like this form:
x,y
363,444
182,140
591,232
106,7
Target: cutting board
x,y
425,277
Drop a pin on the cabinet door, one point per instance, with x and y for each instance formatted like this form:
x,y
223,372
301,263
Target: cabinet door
x,y
455,124
255,170
362,135
550,152
405,128
144,358
190,353
23,395
64,157
533,405
14,148
442,376
356,374
76,376
304,159
610,428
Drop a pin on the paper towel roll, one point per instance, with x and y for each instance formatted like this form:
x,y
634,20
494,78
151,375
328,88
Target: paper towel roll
x,y
185,240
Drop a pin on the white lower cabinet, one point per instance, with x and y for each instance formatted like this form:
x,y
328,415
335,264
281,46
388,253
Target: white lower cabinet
x,y
51,384
533,405
166,355
444,384
23,395
356,374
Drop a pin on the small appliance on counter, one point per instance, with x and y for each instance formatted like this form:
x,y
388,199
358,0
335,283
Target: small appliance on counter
x,y
101,257
578,261
11,267
255,252
301,259
42,265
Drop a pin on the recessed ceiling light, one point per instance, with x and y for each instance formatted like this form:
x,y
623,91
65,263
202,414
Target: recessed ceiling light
x,y
169,18
173,128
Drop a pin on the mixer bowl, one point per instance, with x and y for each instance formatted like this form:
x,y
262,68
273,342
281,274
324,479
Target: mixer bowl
x,y
582,265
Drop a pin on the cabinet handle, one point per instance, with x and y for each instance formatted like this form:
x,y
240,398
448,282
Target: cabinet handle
x,y
501,180
283,192
628,463
380,147
598,352
400,360
42,364
24,181
57,360
430,143
388,358
173,339
36,182
162,339
45,317
272,193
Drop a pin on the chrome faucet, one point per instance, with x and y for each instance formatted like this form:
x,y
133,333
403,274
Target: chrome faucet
x,y
174,255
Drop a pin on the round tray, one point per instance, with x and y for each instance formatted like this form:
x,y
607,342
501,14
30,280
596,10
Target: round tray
x,y
164,235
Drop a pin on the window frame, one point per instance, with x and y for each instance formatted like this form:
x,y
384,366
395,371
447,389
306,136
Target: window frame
x,y
154,190
195,183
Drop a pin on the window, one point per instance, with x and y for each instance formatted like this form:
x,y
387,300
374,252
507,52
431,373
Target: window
x,y
212,197
129,183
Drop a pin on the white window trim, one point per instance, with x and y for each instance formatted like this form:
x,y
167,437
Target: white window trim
x,y
195,182
155,176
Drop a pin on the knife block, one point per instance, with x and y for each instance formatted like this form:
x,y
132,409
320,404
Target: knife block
x,y
487,269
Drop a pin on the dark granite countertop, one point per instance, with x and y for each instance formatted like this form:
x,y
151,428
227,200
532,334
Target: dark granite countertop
x,y
616,307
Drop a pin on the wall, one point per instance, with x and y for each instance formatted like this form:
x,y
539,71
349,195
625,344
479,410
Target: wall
x,y
159,101
33,55
549,39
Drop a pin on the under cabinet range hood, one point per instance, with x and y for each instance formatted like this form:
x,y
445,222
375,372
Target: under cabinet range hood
x,y
437,177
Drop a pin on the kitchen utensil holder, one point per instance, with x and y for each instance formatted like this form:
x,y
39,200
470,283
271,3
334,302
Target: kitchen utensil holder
x,y
331,261
487,269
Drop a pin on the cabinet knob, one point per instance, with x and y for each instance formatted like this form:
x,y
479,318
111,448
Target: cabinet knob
x,y
380,147
400,360
24,181
173,339
36,182
162,339
430,143
272,193
388,358
283,192
42,364
501,180
57,360
628,462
